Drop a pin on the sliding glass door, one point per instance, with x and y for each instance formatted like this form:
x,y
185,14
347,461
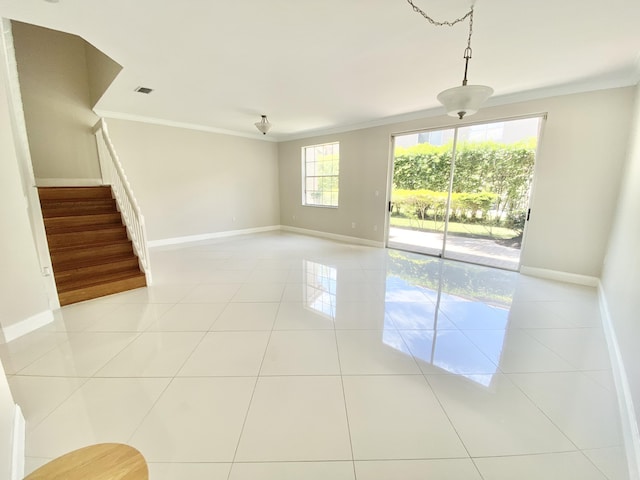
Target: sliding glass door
x,y
463,193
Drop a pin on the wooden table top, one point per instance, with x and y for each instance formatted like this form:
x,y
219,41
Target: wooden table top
x,y
105,461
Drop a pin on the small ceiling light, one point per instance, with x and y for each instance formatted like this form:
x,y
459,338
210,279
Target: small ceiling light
x,y
263,125
466,99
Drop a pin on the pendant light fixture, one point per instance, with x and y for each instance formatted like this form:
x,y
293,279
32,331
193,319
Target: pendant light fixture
x,y
465,99
263,125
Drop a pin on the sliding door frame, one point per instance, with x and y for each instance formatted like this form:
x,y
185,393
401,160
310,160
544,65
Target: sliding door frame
x,y
542,116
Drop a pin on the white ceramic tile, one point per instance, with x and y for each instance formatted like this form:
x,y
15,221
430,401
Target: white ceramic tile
x,y
247,316
377,272
603,377
301,353
296,419
354,275
259,292
475,315
189,471
195,420
516,351
39,396
446,351
300,316
240,263
539,289
583,313
298,425
268,276
294,292
610,461
81,356
399,290
188,317
102,410
227,354
277,262
157,293
444,469
417,316
557,466
499,412
218,275
358,292
535,315
584,348
130,317
153,354
212,293
23,351
362,315
585,411
398,417
374,352
292,471
78,317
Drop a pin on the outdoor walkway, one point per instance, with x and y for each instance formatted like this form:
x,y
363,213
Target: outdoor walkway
x,y
474,250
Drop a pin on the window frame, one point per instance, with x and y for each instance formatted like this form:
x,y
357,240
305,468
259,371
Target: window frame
x,y
305,177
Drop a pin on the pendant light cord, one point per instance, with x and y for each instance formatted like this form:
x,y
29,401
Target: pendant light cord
x,y
469,15
446,22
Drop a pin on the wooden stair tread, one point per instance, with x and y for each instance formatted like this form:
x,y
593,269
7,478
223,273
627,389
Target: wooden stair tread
x,y
101,290
86,228
83,220
83,275
91,247
50,193
102,279
97,261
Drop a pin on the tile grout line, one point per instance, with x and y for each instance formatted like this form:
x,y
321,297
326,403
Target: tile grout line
x,y
344,395
255,385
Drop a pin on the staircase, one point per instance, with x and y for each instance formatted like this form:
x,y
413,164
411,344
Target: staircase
x,y
90,251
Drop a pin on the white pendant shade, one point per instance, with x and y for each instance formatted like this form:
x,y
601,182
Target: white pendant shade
x,y
464,100
263,125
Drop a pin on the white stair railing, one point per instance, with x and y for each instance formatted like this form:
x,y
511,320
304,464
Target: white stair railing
x,y
113,174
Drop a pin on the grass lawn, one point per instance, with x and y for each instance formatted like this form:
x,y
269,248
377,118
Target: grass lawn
x,y
455,228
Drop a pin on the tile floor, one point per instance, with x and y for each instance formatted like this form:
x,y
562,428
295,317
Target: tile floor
x,y
278,356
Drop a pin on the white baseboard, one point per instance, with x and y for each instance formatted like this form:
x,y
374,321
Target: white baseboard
x,y
18,445
27,325
628,418
333,236
560,276
209,236
68,182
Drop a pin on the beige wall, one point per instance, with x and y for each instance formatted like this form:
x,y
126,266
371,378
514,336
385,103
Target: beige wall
x,y
195,183
54,82
102,70
22,291
7,415
621,274
577,176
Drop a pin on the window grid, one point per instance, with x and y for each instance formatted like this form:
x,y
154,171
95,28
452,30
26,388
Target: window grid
x,y
321,165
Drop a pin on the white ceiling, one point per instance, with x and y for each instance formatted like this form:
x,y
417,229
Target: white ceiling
x,y
318,65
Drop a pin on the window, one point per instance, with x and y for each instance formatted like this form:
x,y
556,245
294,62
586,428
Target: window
x,y
320,168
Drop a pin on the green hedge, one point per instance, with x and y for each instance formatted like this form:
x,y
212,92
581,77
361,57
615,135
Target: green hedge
x,y
488,176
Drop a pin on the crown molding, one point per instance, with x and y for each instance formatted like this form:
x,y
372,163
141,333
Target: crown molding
x,y
188,126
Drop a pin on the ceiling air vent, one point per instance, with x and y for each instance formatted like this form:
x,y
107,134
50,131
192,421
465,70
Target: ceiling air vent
x,y
144,90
